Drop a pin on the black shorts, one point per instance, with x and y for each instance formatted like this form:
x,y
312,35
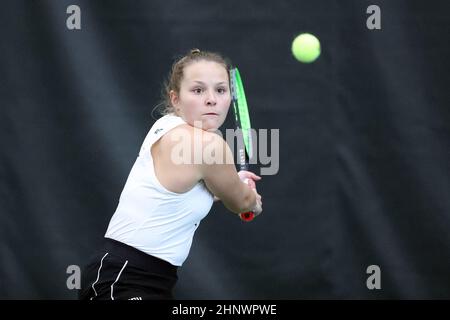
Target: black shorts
x,y
121,272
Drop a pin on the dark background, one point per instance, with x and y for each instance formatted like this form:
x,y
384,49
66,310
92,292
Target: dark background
x,y
364,173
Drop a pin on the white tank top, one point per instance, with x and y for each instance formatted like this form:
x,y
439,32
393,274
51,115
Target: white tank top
x,y
151,218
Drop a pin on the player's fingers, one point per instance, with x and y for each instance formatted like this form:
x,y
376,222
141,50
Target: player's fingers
x,y
250,182
254,176
251,175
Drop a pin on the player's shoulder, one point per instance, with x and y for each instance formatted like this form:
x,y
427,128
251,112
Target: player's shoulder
x,y
186,131
182,129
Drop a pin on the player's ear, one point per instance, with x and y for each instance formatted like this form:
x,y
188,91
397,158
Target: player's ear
x,y
173,98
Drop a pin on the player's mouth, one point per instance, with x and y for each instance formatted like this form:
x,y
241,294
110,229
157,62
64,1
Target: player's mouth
x,y
211,114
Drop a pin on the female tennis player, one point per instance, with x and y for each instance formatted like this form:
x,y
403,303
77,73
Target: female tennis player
x,y
164,199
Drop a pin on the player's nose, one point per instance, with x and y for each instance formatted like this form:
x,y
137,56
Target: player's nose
x,y
211,99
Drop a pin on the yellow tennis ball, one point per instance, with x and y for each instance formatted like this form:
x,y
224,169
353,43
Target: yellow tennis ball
x,y
306,48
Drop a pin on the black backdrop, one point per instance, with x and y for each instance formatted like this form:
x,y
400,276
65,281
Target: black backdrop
x,y
364,142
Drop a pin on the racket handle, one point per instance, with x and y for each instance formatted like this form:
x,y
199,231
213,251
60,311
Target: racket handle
x,y
247,216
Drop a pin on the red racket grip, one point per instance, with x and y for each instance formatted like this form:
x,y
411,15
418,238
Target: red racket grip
x,y
247,216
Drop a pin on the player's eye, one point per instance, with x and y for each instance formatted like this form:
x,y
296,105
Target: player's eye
x,y
197,90
221,90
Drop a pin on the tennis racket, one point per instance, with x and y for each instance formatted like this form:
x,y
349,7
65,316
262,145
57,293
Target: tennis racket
x,y
242,117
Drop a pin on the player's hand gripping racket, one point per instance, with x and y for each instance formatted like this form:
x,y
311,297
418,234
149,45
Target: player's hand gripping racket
x,y
242,122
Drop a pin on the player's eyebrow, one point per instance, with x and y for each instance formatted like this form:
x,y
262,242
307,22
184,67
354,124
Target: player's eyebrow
x,y
201,82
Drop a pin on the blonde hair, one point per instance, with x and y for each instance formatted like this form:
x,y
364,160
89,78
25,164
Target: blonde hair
x,y
177,72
